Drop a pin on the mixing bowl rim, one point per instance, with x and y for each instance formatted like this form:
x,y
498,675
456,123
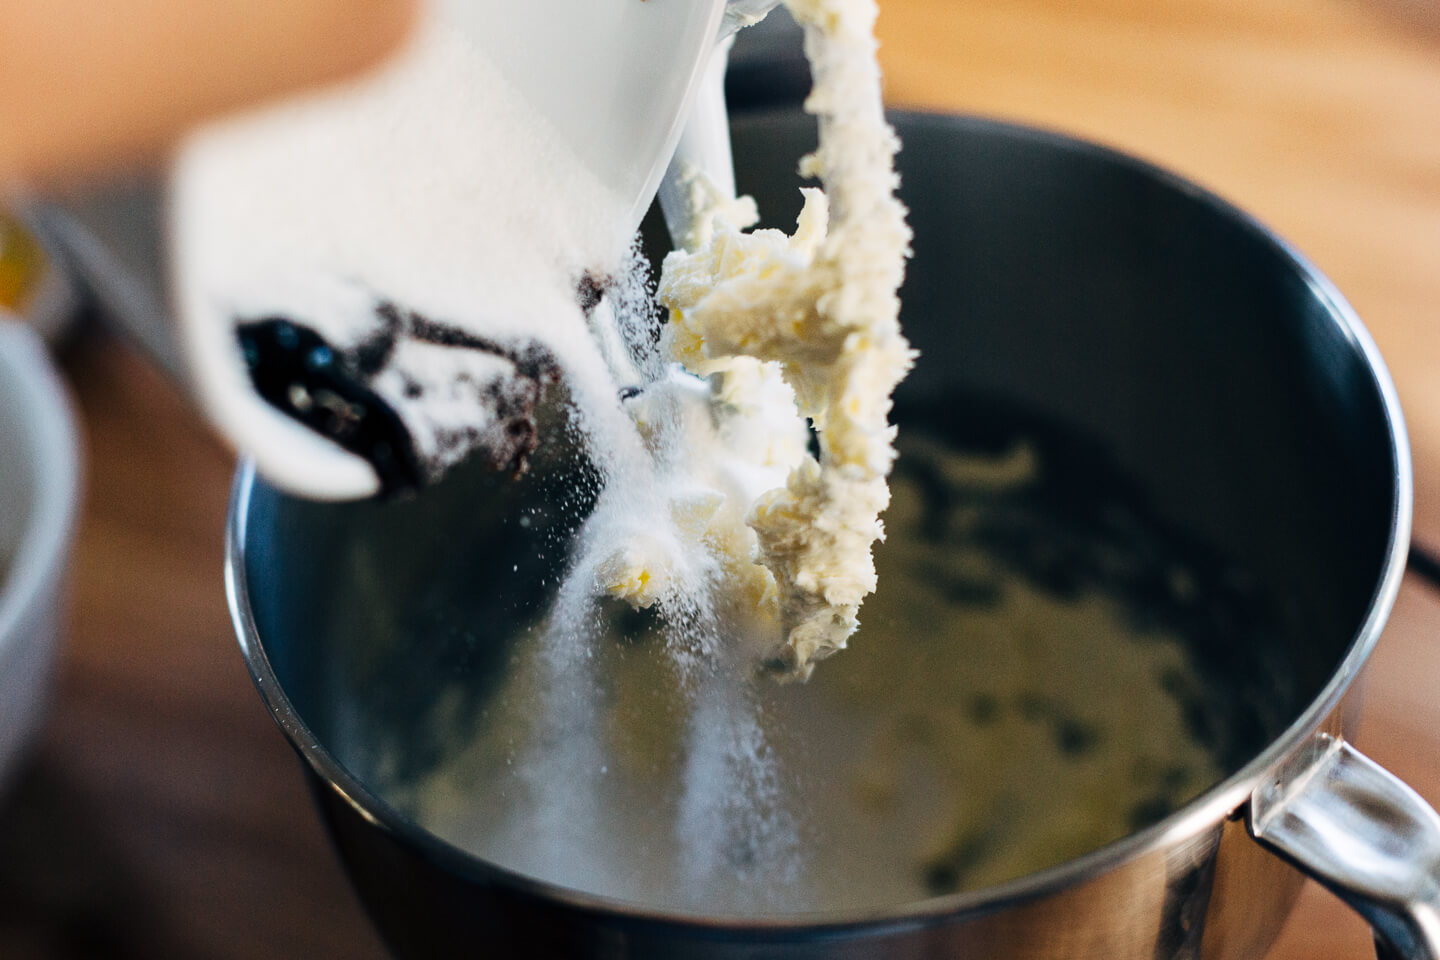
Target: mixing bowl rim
x,y
50,438
1212,807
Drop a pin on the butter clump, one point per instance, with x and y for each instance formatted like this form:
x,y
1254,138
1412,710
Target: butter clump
x,y
815,312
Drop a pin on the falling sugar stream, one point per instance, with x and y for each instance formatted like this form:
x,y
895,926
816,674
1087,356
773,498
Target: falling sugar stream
x,y
729,820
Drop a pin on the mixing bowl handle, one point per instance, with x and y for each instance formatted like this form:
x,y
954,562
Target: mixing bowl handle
x,y
1355,827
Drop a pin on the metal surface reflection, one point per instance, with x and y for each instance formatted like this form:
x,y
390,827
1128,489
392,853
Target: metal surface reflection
x,y
1225,375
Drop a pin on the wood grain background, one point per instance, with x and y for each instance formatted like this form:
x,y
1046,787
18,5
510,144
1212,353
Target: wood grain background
x,y
162,814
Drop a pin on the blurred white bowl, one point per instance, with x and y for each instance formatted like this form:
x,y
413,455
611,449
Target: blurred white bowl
x,y
39,497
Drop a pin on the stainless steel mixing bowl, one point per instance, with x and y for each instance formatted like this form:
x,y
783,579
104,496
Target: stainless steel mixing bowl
x,y
1225,375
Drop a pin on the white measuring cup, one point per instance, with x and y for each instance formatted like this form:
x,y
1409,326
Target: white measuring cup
x,y
615,79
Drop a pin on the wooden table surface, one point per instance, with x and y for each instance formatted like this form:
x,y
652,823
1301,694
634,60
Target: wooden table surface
x,y
162,814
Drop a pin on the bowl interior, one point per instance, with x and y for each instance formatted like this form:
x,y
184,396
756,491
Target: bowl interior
x,y
1183,562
